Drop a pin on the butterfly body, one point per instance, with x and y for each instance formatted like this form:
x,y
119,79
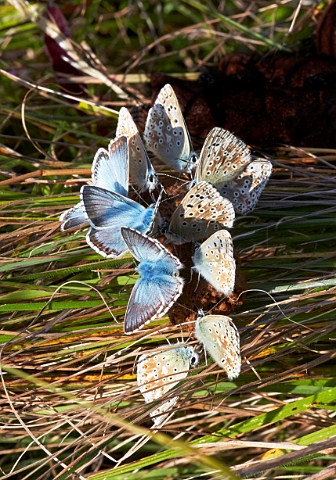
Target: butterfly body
x,y
159,284
202,212
166,134
220,337
214,260
158,373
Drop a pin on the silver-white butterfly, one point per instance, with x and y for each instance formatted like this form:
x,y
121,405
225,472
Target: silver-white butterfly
x,y
226,162
141,170
158,373
220,338
202,212
166,134
214,261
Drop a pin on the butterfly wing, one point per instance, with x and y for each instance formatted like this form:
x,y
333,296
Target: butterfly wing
x,y
222,158
144,248
166,134
110,168
74,217
106,209
214,260
244,191
106,242
202,212
151,298
142,172
220,337
160,372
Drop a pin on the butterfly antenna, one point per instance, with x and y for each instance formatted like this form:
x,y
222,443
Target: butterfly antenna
x,y
275,303
252,368
138,194
161,174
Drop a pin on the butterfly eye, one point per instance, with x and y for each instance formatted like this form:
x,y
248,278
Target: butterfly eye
x,y
194,360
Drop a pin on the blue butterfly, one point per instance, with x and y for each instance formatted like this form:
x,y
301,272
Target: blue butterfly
x,y
159,284
109,171
108,212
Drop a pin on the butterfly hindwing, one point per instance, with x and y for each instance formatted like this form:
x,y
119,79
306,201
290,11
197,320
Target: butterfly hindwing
x,y
106,242
215,262
220,337
244,191
74,217
202,212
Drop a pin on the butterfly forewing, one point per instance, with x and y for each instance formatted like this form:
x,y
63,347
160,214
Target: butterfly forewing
x,y
166,134
244,191
142,172
109,209
110,168
222,158
220,337
202,212
214,260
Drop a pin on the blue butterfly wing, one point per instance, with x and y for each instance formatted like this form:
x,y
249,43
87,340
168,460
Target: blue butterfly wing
x,y
106,242
74,217
151,298
107,209
145,249
110,168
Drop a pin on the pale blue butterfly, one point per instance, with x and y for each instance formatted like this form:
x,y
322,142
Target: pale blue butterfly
x,y
108,212
159,372
214,261
220,338
202,212
226,162
159,284
166,134
141,170
109,171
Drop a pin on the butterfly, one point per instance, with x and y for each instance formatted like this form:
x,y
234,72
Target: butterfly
x,y
226,162
108,212
157,373
159,284
214,260
202,212
166,134
220,338
142,172
110,171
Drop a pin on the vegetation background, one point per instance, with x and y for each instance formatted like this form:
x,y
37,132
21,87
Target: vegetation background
x,y
70,407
